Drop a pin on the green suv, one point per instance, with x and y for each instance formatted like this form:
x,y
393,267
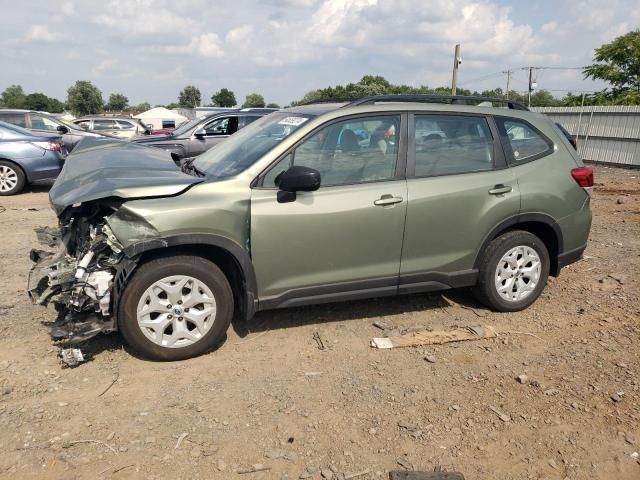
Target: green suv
x,y
319,203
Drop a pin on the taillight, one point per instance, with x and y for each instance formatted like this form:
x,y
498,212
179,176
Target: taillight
x,y
583,177
48,146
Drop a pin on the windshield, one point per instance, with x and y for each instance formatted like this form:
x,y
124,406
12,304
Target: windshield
x,y
247,146
185,127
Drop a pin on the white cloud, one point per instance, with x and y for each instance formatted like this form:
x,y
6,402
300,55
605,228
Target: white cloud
x,y
104,65
240,35
205,45
144,17
41,33
549,27
69,9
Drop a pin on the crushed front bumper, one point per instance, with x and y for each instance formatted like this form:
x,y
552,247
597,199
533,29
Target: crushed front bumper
x,y
79,286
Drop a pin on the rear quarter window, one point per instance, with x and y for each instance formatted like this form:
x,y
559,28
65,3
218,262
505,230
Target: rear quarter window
x,y
522,141
14,118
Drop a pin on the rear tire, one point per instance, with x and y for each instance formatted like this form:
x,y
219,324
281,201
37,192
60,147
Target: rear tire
x,y
176,307
12,178
513,271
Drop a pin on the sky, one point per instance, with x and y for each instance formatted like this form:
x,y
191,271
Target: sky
x,y
150,49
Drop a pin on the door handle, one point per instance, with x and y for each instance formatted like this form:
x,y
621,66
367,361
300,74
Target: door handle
x,y
500,189
386,200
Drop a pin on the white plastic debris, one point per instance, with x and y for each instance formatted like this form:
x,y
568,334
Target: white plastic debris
x,y
71,357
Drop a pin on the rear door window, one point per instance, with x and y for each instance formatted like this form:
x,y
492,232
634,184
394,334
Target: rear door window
x,y
522,141
14,118
125,125
244,121
452,144
105,125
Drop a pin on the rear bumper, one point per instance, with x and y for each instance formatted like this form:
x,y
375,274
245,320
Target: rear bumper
x,y
45,168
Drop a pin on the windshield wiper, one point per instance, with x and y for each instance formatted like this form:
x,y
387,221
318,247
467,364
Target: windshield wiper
x,y
189,168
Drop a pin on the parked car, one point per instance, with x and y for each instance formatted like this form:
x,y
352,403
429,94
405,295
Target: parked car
x,y
200,134
46,123
120,127
162,131
27,157
571,138
294,210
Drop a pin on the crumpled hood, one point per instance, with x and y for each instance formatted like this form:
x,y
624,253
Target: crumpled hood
x,y
104,167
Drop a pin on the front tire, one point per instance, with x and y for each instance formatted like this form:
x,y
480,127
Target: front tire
x,y
12,179
513,271
176,307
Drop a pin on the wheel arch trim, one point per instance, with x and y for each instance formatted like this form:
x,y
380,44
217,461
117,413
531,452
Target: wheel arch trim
x,y
241,257
520,219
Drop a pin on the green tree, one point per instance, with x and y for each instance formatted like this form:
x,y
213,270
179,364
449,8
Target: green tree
x,y
142,107
254,100
13,97
224,98
117,102
173,106
84,98
273,105
190,97
37,101
55,106
618,64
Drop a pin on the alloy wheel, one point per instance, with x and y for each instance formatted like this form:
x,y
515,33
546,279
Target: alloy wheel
x,y
518,273
176,311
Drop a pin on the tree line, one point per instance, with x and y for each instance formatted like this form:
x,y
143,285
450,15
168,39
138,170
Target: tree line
x,y
84,98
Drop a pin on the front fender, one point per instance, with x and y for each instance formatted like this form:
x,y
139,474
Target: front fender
x,y
241,257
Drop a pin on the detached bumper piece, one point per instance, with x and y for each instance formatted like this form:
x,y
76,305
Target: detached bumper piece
x,y
79,285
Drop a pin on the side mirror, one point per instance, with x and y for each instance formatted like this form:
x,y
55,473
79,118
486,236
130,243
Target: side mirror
x,y
297,179
62,129
200,132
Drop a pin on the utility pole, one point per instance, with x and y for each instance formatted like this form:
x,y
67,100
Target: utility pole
x,y
456,66
508,72
530,86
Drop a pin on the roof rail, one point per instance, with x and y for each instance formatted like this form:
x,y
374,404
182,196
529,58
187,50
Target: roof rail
x,y
447,99
327,100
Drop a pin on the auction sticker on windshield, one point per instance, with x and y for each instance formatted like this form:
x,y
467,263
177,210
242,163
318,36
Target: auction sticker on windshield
x,y
293,121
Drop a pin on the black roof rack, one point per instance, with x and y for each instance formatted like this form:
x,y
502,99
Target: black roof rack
x,y
447,99
327,100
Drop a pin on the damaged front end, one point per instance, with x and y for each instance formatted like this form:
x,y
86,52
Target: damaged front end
x,y
79,277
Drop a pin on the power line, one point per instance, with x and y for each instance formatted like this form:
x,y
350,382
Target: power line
x,y
482,78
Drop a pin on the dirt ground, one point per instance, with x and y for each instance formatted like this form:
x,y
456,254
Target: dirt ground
x,y
271,398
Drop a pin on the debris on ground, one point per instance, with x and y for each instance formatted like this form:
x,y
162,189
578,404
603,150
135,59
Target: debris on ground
x,y
319,341
425,476
71,357
502,416
436,337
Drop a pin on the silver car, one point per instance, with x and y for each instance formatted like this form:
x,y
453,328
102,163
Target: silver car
x,y
120,127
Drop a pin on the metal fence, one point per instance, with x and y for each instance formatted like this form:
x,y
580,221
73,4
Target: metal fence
x,y
604,134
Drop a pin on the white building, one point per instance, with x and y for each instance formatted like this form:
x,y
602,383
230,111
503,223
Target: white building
x,y
161,117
